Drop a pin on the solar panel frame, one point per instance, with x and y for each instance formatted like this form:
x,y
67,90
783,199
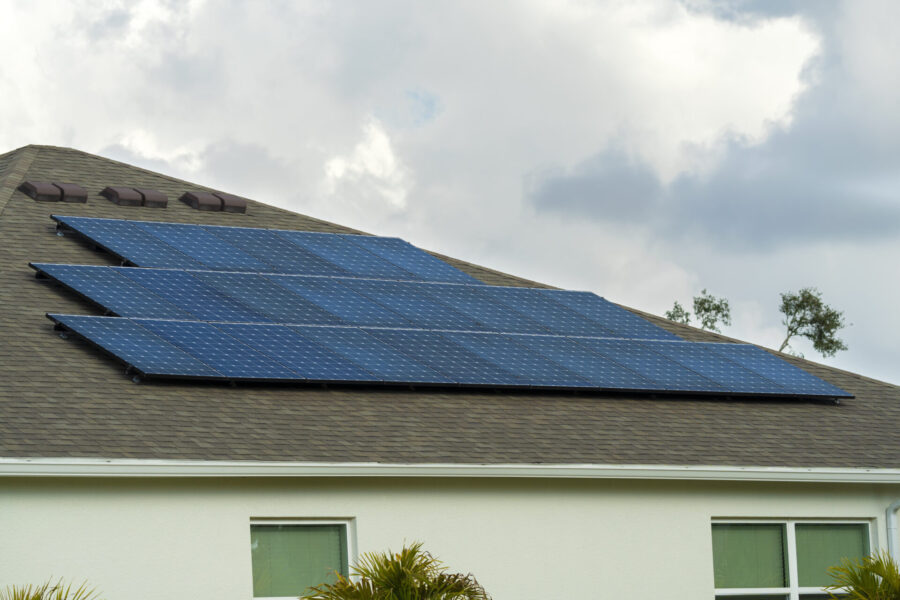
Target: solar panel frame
x,y
189,293
204,247
229,356
274,250
128,242
620,322
352,258
138,348
421,264
111,291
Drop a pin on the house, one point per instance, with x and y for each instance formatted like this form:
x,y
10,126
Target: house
x,y
213,489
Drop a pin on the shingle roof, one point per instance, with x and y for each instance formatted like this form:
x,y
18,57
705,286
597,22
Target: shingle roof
x,y
61,398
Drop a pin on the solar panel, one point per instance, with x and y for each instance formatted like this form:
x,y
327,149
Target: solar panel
x,y
775,369
552,315
203,246
474,303
341,301
129,242
146,352
113,292
311,360
352,258
448,358
272,249
600,371
418,262
404,298
517,359
620,322
666,374
266,297
225,354
386,362
190,294
702,359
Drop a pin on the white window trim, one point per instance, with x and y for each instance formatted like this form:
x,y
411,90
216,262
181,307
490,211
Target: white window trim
x,y
349,524
793,591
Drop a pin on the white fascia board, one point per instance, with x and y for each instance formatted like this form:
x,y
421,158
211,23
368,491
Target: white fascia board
x,y
94,467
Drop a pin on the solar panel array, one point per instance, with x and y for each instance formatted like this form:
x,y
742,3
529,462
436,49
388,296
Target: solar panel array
x,y
255,304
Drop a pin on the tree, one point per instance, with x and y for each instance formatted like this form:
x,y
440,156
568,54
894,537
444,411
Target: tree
x,y
708,309
874,577
806,315
411,574
711,311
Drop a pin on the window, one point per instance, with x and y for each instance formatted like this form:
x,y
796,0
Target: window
x,y
290,556
782,560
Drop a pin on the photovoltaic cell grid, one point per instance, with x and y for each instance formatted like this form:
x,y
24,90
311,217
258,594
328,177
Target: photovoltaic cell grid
x,y
266,305
216,248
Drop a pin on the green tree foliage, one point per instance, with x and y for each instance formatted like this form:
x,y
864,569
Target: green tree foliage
x,y
874,577
711,311
49,591
708,309
806,315
411,574
678,314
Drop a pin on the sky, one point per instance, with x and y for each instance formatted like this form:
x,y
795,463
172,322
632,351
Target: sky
x,y
643,149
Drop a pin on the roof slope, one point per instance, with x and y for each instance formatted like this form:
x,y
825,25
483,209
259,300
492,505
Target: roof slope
x,y
61,398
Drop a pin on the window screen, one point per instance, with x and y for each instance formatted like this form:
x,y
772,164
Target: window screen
x,y
749,556
821,545
288,559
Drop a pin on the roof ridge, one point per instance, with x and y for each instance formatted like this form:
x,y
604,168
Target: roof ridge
x,y
18,169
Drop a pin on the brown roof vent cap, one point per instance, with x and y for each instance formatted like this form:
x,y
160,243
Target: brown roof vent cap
x,y
41,191
153,198
232,203
202,200
72,192
123,196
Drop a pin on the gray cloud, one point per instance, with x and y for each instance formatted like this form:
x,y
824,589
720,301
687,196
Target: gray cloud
x,y
825,177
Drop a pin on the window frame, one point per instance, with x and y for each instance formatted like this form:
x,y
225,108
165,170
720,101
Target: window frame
x,y
793,591
349,524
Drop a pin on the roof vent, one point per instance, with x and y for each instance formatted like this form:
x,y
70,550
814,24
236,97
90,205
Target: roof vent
x,y
202,200
232,203
123,196
153,198
42,191
72,192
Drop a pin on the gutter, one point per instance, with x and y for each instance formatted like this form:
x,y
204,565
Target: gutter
x,y
98,467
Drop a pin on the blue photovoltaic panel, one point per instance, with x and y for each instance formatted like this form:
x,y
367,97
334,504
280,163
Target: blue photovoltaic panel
x,y
529,367
620,322
311,360
113,292
796,380
130,242
472,302
451,359
267,298
373,355
352,258
340,300
730,375
218,349
406,299
269,247
599,370
665,373
148,353
203,246
552,315
418,262
190,294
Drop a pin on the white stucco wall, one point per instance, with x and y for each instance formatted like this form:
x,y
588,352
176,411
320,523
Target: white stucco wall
x,y
151,539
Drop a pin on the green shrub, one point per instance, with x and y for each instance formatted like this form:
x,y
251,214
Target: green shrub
x,y
49,591
873,577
